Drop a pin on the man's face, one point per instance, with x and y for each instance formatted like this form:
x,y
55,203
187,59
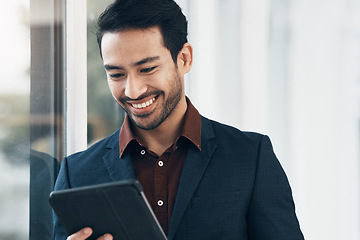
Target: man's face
x,y
142,76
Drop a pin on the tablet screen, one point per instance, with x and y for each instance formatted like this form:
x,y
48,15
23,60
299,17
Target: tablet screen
x,y
119,208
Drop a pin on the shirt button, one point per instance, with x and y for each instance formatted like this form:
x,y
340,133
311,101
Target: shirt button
x,y
142,152
160,203
161,163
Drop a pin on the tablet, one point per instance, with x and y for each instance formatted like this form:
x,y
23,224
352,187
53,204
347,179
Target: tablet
x,y
119,208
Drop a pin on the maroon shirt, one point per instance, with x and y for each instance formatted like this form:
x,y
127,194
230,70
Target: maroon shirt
x,y
160,175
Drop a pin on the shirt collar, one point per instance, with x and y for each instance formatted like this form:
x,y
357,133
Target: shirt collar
x,y
191,129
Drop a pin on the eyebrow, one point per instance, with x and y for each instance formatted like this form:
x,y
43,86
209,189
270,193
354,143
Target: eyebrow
x,y
143,61
146,60
112,67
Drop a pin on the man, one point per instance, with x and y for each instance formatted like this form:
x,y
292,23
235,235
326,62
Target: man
x,y
204,180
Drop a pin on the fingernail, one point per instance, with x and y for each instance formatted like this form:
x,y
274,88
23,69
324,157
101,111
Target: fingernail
x,y
87,230
107,237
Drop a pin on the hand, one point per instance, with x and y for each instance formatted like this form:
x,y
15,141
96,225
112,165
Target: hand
x,y
85,233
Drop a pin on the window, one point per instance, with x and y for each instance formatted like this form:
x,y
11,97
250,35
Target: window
x,y
104,114
14,119
46,110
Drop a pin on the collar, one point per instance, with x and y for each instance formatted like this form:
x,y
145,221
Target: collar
x,y
191,129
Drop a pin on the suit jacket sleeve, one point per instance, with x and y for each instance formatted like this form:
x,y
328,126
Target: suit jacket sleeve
x,y
271,213
62,182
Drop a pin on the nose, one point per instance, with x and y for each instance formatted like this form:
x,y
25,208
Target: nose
x,y
135,87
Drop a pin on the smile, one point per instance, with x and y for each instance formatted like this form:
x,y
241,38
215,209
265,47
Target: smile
x,y
144,104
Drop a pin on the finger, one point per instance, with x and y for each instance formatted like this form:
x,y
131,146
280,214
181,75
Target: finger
x,y
106,237
81,235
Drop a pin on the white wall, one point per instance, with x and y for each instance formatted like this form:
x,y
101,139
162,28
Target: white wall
x,y
324,85
289,69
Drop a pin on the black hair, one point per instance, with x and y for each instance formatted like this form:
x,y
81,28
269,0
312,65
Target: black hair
x,y
142,14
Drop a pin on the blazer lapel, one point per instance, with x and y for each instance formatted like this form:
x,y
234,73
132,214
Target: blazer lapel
x,y
118,168
194,167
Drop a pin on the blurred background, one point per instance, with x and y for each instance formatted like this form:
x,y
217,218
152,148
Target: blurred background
x,y
288,69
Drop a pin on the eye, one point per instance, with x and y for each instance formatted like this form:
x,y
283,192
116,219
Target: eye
x,y
147,70
116,75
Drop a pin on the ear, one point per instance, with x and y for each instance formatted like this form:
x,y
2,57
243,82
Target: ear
x,y
185,58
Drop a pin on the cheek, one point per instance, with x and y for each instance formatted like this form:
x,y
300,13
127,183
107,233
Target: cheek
x,y
116,89
168,80
175,82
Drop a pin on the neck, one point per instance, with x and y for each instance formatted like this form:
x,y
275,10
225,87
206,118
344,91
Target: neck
x,y
163,136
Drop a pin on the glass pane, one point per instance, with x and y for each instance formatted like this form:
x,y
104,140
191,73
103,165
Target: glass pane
x,y
104,114
14,119
46,110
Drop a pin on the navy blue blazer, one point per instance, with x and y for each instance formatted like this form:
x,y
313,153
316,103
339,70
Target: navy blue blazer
x,y
234,188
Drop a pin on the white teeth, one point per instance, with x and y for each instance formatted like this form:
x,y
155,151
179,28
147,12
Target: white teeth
x,y
144,104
